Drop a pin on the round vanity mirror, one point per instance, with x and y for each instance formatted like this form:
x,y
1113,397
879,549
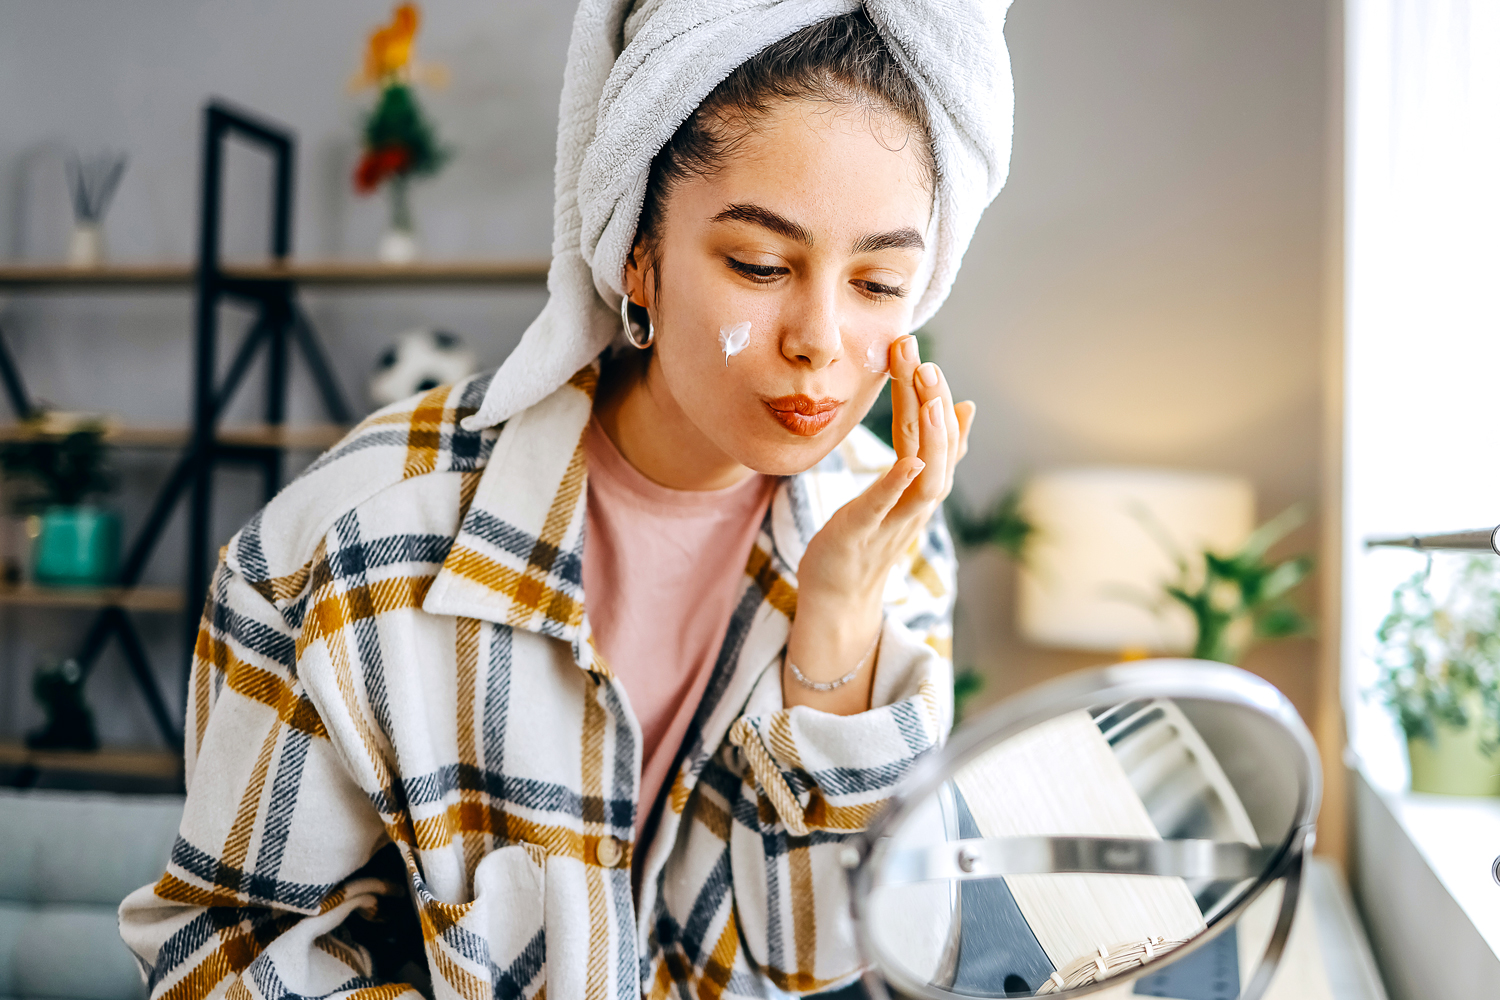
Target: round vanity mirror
x,y
1137,829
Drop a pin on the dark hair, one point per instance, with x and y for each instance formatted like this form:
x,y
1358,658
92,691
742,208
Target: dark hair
x,y
841,61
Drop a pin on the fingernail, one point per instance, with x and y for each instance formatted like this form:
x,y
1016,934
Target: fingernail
x,y
915,469
909,348
928,373
935,412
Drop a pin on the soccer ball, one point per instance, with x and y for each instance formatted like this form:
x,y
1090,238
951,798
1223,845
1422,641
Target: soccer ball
x,y
419,360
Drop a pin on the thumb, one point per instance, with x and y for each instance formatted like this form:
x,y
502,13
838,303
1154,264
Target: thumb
x,y
871,506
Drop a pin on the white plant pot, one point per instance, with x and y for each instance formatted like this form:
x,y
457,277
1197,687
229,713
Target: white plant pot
x,y
86,248
398,246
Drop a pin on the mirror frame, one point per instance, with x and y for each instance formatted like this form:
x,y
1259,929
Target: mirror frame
x,y
1161,678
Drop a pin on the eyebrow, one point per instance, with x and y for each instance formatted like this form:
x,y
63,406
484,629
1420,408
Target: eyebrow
x,y
905,238
766,219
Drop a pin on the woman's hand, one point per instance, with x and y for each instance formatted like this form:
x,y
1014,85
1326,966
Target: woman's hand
x,y
843,573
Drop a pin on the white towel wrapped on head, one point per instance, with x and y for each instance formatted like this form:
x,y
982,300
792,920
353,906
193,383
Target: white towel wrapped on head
x,y
638,68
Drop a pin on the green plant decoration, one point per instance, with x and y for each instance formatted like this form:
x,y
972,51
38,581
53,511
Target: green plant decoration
x,y
1238,598
57,469
400,143
1440,663
1004,525
966,684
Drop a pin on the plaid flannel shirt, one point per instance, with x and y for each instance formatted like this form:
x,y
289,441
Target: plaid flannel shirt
x,y
410,772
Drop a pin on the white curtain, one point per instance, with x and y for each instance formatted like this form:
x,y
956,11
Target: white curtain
x,y
1422,348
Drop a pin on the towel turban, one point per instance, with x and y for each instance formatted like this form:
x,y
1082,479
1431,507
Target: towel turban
x,y
637,70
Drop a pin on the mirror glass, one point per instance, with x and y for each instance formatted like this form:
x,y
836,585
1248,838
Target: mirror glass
x,y
1088,847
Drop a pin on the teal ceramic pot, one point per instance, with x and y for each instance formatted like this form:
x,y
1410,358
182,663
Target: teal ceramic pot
x,y
77,547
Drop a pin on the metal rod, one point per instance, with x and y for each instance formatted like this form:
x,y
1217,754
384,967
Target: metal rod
x,y
14,387
1478,540
276,386
322,372
140,666
240,365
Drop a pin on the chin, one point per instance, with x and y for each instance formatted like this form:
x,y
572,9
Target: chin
x,y
777,452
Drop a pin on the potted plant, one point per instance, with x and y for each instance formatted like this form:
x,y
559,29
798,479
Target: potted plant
x,y
1440,678
1238,598
59,468
400,143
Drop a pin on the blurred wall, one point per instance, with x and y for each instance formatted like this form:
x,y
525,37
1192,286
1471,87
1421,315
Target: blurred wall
x,y
1148,287
1145,290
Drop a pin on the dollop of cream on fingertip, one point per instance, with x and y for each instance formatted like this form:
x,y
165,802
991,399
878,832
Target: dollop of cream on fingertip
x,y
878,358
733,339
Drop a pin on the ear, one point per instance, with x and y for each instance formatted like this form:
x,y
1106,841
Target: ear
x,y
637,270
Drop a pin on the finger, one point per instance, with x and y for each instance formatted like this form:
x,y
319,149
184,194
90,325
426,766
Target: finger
x,y
905,406
955,437
933,384
928,487
965,412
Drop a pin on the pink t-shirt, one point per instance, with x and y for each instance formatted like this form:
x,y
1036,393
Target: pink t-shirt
x,y
662,570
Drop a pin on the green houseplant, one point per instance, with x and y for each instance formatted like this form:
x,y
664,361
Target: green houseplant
x,y
1440,678
74,542
1238,598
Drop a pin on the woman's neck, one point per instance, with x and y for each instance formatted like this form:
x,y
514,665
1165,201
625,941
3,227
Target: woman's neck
x,y
637,411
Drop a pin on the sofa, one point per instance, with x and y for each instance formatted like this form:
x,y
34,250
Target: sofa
x,y
66,861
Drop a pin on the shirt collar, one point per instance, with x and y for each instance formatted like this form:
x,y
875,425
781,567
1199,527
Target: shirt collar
x,y
517,558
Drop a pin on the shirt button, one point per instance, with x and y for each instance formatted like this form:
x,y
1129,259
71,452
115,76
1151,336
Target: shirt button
x,y
608,852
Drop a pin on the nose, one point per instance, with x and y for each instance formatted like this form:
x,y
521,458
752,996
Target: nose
x,y
812,337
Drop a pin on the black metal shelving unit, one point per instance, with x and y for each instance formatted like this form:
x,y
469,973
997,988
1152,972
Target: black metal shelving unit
x,y
279,329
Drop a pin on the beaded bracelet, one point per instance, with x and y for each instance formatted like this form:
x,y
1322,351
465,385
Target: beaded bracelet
x,y
833,685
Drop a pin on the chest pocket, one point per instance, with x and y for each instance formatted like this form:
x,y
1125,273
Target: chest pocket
x,y
495,944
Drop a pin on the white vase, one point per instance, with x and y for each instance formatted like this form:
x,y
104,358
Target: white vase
x,y
86,247
398,246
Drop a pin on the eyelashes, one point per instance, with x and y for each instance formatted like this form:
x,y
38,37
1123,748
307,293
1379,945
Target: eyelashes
x,y
762,274
882,292
765,274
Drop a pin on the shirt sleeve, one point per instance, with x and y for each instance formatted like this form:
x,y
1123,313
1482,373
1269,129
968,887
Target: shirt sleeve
x,y
812,779
281,880
834,772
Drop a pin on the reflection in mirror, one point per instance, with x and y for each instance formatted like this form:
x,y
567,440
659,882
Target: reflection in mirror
x,y
1089,846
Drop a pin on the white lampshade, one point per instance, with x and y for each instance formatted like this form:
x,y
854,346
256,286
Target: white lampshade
x,y
1097,542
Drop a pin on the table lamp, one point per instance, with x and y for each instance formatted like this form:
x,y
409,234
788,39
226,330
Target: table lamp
x,y
1100,553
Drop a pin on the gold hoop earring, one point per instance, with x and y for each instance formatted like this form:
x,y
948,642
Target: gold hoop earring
x,y
630,334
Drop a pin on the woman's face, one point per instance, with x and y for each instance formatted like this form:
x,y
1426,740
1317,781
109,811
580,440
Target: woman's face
x,y
810,232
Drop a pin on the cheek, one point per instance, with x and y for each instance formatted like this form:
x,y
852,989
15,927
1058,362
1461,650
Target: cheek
x,y
869,348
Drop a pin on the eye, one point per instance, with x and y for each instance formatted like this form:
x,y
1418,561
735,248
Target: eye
x,y
761,274
879,292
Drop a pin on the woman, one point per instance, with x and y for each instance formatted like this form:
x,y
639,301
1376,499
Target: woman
x,y
589,666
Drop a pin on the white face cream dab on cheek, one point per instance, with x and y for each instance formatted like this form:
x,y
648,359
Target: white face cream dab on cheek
x,y
733,339
878,358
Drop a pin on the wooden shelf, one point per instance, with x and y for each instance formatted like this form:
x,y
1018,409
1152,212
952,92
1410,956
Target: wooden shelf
x,y
164,764
292,437
112,276
134,598
324,274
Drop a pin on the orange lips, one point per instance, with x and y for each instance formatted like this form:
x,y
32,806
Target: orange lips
x,y
803,415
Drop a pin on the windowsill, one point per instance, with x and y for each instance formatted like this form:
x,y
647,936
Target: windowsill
x,y
1425,886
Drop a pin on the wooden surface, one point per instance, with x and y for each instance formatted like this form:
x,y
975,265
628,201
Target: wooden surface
x,y
293,437
330,273
134,598
133,763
